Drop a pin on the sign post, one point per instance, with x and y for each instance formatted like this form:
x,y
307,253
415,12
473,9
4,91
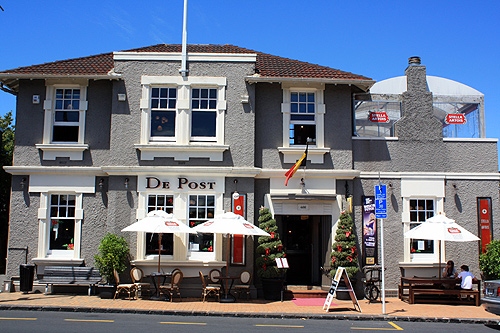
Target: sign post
x,y
381,213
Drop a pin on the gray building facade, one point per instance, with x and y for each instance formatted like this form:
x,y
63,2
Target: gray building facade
x,y
103,140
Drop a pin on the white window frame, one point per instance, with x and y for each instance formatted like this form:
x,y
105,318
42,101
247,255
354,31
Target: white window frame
x,y
162,138
45,224
144,234
73,150
420,257
199,255
316,150
183,146
199,109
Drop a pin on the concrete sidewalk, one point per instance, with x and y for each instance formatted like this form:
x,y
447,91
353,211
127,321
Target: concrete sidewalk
x,y
396,309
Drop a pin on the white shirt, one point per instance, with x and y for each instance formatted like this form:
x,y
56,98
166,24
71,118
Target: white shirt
x,y
466,279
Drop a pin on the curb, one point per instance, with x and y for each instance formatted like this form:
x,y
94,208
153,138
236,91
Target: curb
x,y
253,315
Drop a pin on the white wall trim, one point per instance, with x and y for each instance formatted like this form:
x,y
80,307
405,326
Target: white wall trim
x,y
314,155
213,152
378,138
51,151
172,56
427,175
492,140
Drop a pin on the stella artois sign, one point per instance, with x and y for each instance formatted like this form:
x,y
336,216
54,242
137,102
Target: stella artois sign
x,y
378,117
454,118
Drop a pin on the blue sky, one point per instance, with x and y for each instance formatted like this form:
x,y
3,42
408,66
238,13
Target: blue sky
x,y
457,39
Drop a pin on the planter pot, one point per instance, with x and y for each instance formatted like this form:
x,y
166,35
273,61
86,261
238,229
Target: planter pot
x,y
344,295
272,289
107,291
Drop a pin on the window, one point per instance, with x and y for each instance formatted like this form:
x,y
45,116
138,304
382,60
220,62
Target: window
x,y
302,118
165,203
66,115
163,112
201,209
421,210
62,222
375,118
203,114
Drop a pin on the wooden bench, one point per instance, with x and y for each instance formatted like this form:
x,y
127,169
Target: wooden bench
x,y
68,275
460,293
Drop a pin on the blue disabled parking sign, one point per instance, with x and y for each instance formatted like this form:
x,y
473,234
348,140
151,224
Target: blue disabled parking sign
x,y
380,201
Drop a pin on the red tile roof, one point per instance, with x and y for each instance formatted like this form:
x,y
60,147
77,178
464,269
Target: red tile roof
x,y
267,65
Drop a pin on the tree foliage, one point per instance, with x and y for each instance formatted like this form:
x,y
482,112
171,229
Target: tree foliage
x,y
344,252
114,253
489,262
269,248
6,152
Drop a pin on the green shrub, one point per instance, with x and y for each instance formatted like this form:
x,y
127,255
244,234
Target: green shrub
x,y
113,254
489,262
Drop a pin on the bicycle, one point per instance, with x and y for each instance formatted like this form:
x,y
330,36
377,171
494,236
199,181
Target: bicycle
x,y
372,278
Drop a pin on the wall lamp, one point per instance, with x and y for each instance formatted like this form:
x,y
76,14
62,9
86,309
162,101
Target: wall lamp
x,y
23,182
126,182
455,187
101,183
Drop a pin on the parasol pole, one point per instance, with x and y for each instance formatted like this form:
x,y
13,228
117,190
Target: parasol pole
x,y
159,259
439,263
227,261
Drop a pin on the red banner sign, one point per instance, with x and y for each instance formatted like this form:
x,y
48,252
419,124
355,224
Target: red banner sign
x,y
379,117
455,119
484,214
238,204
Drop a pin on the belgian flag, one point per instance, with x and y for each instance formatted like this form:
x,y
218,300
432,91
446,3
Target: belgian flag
x,y
296,166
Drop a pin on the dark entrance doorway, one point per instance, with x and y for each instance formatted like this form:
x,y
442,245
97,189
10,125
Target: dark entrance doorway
x,y
306,239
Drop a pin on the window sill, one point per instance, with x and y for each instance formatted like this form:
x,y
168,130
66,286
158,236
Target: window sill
x,y
57,261
314,155
212,151
53,150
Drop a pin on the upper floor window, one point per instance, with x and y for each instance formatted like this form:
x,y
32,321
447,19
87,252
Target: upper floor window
x,y
302,118
66,115
203,114
165,203
460,120
375,118
163,112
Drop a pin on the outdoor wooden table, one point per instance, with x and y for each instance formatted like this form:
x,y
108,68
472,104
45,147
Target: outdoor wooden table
x,y
228,298
435,287
156,276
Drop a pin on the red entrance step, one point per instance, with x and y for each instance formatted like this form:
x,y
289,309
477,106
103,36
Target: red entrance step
x,y
305,292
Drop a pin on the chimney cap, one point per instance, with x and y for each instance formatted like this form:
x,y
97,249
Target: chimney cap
x,y
412,61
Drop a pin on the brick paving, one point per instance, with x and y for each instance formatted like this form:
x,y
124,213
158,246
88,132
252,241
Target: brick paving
x,y
395,309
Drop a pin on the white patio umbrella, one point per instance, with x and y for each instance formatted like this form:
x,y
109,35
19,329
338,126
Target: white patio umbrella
x,y
441,228
159,222
230,224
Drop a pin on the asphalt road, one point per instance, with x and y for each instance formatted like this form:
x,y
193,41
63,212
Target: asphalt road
x,y
46,321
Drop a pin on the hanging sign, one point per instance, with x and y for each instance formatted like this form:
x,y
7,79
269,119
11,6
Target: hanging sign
x,y
379,117
454,118
369,231
238,206
341,273
484,216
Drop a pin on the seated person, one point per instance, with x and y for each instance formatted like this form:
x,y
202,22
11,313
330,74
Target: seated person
x,y
449,271
466,277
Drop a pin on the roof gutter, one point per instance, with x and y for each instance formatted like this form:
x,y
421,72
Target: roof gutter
x,y
362,84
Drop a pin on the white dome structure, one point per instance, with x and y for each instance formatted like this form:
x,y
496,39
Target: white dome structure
x,y
437,85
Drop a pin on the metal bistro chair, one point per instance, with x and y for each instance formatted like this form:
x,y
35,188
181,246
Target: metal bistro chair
x,y
137,274
173,286
208,290
126,287
213,278
244,286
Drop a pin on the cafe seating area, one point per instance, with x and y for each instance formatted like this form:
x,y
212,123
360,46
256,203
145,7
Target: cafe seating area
x,y
438,290
166,285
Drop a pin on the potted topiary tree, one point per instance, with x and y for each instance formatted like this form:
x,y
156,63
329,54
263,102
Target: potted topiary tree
x,y
344,252
488,261
268,250
113,254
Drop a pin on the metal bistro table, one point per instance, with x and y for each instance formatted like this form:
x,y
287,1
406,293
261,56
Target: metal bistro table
x,y
228,298
155,277
436,287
